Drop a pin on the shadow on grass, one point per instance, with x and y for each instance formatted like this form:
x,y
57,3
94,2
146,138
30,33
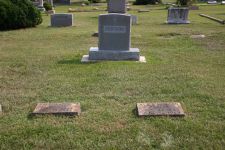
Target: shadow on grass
x,y
70,61
135,113
32,116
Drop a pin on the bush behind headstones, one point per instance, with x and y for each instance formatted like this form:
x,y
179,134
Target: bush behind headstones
x,y
146,2
16,14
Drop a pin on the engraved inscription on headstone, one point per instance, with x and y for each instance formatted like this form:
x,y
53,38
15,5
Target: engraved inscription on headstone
x,y
57,108
160,109
114,29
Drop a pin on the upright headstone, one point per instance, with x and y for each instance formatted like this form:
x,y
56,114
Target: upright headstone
x,y
41,5
114,39
117,6
114,32
134,20
178,16
62,20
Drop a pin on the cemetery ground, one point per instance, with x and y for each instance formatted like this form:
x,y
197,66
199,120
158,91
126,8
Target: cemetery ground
x,y
43,65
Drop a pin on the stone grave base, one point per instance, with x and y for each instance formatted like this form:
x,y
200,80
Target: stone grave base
x,y
85,59
160,109
70,109
178,22
112,55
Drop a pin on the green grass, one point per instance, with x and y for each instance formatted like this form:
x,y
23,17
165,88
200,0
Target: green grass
x,y
43,65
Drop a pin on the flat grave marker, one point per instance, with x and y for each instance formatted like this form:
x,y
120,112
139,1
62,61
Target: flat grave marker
x,y
160,109
57,109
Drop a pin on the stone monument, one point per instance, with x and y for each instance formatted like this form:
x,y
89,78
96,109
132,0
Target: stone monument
x,y
62,20
114,31
178,15
114,40
41,5
117,6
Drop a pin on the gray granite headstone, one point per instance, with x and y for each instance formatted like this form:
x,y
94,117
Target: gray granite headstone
x,y
114,39
62,20
117,6
114,32
178,15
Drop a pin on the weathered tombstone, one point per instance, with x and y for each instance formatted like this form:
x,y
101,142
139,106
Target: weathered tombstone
x,y
212,2
160,109
0,108
178,15
62,20
117,6
114,40
134,20
57,109
41,5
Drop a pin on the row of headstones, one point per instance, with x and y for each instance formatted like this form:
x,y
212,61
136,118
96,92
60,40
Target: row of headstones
x,y
114,34
143,109
215,2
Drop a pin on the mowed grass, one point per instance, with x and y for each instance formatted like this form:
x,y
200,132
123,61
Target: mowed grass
x,y
43,65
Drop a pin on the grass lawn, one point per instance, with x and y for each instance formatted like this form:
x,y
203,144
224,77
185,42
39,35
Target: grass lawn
x,y
43,65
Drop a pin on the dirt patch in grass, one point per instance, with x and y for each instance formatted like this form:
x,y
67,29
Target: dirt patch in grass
x,y
171,35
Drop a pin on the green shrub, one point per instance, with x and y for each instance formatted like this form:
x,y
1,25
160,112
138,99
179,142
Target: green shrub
x,y
47,6
15,14
146,2
94,1
185,2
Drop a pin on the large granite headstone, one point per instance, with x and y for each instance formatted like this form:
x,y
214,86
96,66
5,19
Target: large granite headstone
x,y
114,32
117,6
177,15
61,20
114,39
